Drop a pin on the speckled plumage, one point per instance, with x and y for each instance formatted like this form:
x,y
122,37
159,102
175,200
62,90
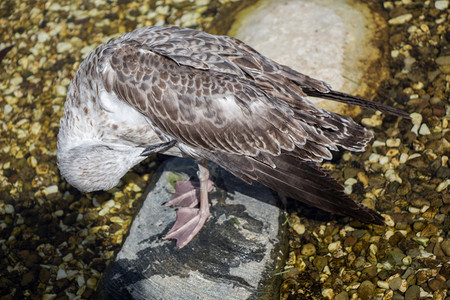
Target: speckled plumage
x,y
179,90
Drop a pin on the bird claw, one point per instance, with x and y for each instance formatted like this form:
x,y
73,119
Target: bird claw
x,y
188,224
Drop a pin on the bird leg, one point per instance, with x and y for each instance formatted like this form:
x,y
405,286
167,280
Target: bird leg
x,y
189,219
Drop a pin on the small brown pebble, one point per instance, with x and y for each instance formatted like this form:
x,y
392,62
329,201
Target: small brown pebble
x,y
435,284
342,296
308,249
27,278
412,293
366,290
44,275
429,230
350,241
445,246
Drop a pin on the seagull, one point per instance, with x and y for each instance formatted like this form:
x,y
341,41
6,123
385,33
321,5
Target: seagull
x,y
184,92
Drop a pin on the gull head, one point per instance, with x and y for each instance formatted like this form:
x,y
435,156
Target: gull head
x,y
94,166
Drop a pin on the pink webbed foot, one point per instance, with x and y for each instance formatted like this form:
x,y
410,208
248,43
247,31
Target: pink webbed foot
x,y
188,224
189,219
187,193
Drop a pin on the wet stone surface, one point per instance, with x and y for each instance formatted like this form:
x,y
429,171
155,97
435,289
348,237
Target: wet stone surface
x,y
234,256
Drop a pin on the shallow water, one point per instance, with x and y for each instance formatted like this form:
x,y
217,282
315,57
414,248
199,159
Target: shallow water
x,y
56,242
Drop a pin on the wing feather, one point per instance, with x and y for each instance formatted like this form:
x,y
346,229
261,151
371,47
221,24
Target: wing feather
x,y
219,94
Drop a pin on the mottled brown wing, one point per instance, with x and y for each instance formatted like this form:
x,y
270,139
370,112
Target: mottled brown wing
x,y
213,110
231,56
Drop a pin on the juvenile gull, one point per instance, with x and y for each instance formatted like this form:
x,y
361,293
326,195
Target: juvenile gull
x,y
213,98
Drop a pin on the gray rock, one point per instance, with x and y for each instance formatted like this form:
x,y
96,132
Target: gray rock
x,y
233,257
412,293
395,283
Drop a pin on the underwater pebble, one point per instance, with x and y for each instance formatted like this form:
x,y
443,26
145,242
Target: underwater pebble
x,y
334,246
328,293
373,121
441,4
400,19
92,283
443,60
395,283
424,130
393,143
308,249
383,284
299,228
61,274
43,37
51,190
443,185
392,176
7,109
9,209
62,47
416,118
445,246
403,158
61,90
378,143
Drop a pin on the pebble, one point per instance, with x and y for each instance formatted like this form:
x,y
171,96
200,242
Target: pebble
x,y
366,290
92,283
383,284
393,142
61,90
61,274
373,121
328,293
424,130
441,4
334,246
7,109
400,19
392,176
416,118
43,37
62,47
299,228
395,283
443,185
53,189
412,293
27,278
308,249
342,296
445,246
443,60
9,209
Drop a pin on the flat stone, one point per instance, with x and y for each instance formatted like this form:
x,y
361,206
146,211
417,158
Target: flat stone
x,y
233,257
331,40
441,4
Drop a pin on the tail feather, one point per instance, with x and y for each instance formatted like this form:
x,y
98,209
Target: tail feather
x,y
303,181
358,101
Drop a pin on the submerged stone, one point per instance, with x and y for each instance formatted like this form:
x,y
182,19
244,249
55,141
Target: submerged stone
x,y
335,41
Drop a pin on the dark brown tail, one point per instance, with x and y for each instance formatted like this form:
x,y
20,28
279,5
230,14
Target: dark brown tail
x,y
354,100
303,181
